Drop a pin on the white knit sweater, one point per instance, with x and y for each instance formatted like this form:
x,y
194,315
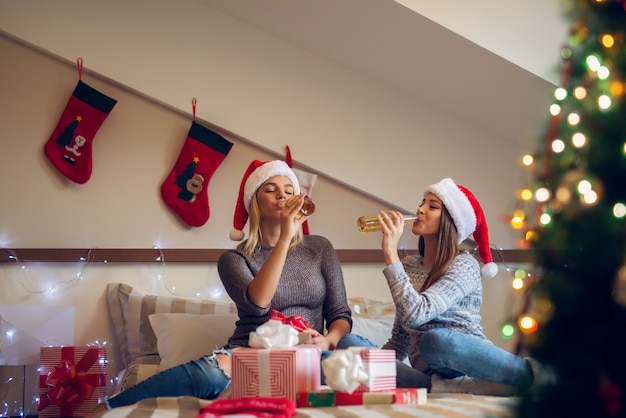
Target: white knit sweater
x,y
453,302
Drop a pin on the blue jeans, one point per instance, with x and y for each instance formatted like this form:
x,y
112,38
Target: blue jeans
x,y
201,378
452,354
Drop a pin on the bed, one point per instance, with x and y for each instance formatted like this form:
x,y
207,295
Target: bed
x,y
155,332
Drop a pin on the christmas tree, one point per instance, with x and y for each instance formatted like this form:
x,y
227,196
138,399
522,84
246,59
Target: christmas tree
x,y
186,175
576,225
65,138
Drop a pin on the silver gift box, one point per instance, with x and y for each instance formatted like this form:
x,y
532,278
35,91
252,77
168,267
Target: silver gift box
x,y
19,390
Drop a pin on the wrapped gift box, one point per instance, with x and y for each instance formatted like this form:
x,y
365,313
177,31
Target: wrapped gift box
x,y
72,380
330,398
380,366
276,372
19,391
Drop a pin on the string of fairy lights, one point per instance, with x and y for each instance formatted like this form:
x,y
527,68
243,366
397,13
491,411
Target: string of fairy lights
x,y
27,281
36,286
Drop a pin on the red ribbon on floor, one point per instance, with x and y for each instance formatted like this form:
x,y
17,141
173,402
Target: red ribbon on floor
x,y
257,407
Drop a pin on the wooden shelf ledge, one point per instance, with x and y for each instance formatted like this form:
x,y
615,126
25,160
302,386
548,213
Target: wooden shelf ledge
x,y
194,255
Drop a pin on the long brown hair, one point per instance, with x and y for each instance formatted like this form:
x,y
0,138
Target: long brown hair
x,y
447,248
254,234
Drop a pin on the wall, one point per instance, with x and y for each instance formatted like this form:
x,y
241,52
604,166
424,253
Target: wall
x,y
120,206
372,136
133,152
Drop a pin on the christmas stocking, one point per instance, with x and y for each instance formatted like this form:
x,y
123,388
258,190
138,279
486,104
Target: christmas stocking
x,y
184,190
69,147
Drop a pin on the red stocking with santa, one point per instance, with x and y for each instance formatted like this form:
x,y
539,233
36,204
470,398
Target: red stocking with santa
x,y
69,148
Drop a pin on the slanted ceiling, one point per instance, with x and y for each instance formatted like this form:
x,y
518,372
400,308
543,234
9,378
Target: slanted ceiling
x,y
371,93
482,53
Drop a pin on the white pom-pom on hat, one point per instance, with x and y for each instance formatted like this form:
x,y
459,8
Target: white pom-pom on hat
x,y
468,217
256,174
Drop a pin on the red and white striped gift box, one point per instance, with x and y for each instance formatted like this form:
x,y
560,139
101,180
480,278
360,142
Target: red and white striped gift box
x,y
380,366
276,372
72,380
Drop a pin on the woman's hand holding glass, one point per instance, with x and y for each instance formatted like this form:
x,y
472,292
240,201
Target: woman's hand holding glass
x,y
392,227
293,213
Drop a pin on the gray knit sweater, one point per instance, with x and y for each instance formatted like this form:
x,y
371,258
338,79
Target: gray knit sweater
x,y
311,285
453,302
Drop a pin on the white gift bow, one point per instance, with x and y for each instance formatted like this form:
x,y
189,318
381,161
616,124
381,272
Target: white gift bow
x,y
273,334
344,370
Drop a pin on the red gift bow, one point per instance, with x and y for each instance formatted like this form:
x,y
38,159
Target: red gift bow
x,y
86,362
296,321
67,386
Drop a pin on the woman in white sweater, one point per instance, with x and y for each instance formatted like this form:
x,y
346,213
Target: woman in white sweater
x,y
438,295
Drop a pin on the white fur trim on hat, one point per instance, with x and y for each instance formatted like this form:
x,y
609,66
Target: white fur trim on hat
x,y
264,172
468,217
458,206
257,173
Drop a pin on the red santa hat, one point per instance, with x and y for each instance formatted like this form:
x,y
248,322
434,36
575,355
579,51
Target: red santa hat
x,y
468,217
257,173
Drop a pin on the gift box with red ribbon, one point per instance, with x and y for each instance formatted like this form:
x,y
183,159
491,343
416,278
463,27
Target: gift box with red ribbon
x,y
72,380
276,372
297,322
411,396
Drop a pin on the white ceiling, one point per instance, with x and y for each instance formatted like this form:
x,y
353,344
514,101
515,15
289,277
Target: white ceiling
x,y
527,33
488,61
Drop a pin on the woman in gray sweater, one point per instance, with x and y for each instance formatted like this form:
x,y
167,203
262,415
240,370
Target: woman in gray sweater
x,y
275,268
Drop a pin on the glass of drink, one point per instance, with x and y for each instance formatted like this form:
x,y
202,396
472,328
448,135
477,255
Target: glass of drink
x,y
308,207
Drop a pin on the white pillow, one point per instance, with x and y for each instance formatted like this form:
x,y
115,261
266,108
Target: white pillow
x,y
183,337
377,330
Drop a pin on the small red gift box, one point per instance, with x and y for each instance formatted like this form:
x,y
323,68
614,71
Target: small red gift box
x,y
72,380
380,366
329,398
276,372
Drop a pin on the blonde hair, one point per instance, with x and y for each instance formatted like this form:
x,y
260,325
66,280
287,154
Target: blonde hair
x,y
447,248
254,231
